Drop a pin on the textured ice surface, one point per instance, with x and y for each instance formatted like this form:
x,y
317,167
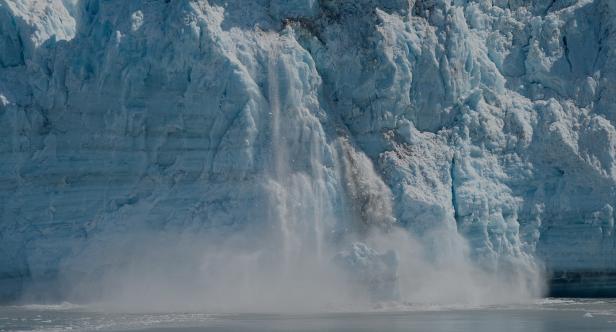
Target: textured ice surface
x,y
487,120
369,268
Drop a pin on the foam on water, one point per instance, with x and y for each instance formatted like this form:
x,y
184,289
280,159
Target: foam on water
x,y
51,307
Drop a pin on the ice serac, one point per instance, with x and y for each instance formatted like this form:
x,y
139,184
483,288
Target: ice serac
x,y
486,125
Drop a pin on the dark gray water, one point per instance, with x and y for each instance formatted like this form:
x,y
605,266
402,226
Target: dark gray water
x,y
554,315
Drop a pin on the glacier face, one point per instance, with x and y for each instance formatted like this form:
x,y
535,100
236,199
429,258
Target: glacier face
x,y
484,125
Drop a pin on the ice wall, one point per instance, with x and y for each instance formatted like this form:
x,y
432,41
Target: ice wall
x,y
483,121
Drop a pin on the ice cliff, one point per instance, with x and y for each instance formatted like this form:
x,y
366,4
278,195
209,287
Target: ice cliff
x,y
485,122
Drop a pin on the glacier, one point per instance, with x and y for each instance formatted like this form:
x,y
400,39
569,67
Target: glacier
x,y
476,136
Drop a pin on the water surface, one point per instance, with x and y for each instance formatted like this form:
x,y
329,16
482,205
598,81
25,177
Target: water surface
x,y
554,315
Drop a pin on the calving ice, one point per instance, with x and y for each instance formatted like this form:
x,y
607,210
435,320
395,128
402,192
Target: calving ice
x,y
272,155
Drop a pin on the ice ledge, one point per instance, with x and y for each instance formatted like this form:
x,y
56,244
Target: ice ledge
x,y
589,284
28,24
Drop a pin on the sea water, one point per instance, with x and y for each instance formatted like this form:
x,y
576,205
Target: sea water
x,y
553,315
